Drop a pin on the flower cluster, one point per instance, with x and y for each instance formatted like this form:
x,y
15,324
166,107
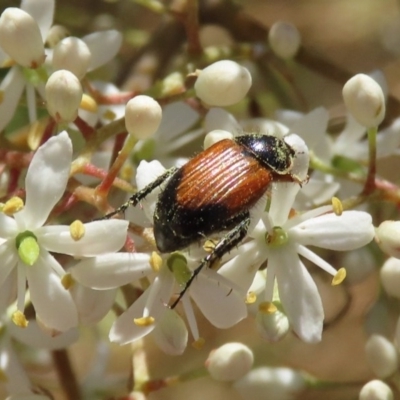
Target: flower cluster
x,y
247,235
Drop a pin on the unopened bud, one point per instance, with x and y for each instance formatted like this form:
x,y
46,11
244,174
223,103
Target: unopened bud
x,y
55,35
381,356
376,390
284,39
223,83
388,237
216,136
142,116
390,277
272,326
365,100
20,38
230,362
72,54
63,96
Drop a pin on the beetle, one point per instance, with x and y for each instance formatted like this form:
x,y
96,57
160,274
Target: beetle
x,y
214,192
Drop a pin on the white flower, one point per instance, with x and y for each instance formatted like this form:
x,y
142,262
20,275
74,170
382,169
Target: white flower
x,y
14,82
376,390
281,240
26,243
216,297
284,39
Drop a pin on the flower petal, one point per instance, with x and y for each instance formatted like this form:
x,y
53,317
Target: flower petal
x,y
349,231
124,330
45,181
112,270
42,12
92,305
34,336
9,259
217,118
298,293
8,227
11,87
220,303
100,237
103,46
53,303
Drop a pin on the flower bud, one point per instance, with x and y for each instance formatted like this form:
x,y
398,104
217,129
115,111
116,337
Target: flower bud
x,y
216,136
381,356
142,116
365,100
20,38
390,277
270,383
63,96
272,326
72,54
388,237
223,83
376,390
55,34
170,333
284,39
229,362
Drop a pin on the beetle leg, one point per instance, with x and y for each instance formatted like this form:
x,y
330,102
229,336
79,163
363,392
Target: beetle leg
x,y
141,194
225,245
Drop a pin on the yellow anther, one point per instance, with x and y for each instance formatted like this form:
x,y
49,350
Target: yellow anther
x,y
337,206
67,281
155,261
35,132
199,343
109,114
13,205
144,321
267,307
251,298
88,103
339,277
209,245
19,319
77,230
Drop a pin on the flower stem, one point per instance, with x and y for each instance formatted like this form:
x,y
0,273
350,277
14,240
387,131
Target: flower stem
x,y
66,374
369,185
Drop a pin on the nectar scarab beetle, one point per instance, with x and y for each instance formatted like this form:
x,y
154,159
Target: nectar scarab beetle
x,y
214,192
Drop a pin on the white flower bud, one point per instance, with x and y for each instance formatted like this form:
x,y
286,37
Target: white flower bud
x,y
63,96
381,356
376,390
20,38
216,136
142,116
170,333
390,277
388,237
55,34
270,383
229,362
365,100
284,39
223,83
272,326
72,54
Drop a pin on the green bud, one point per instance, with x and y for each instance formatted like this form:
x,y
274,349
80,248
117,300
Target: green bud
x,y
28,247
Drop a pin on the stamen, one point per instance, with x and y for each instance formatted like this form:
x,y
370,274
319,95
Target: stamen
x,y
88,103
77,230
67,281
144,321
13,205
337,206
19,319
251,298
339,277
155,261
267,308
199,343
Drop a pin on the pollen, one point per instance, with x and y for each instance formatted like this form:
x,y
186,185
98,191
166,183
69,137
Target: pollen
x,y
251,298
144,321
199,343
88,103
267,307
13,205
67,281
339,277
109,114
155,261
337,206
19,319
77,230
